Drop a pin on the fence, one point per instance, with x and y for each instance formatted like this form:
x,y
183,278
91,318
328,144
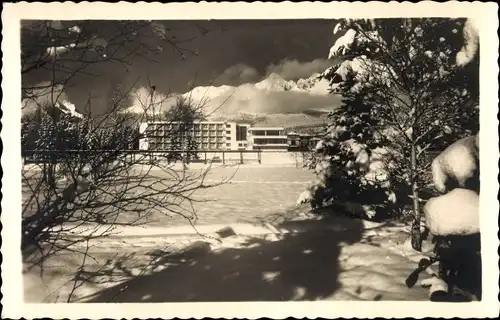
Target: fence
x,y
268,157
144,156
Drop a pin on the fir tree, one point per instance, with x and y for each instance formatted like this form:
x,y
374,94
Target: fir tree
x,y
181,137
403,95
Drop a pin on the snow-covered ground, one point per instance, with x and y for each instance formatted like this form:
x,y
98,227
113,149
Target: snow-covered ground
x,y
299,260
252,191
275,252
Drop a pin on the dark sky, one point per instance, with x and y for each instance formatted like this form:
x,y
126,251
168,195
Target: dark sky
x,y
252,43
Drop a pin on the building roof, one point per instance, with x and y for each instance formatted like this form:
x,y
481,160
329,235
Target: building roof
x,y
265,128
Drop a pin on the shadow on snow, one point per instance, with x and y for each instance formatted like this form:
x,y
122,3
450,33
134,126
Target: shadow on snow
x,y
299,266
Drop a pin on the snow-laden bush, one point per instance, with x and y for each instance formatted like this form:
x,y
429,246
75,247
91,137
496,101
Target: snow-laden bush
x,y
457,165
455,213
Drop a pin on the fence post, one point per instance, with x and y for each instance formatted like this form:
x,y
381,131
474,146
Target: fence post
x,y
223,157
205,157
241,157
259,156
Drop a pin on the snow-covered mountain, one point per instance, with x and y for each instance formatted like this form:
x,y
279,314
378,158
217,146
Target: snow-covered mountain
x,y
274,82
305,100
313,85
286,120
68,108
208,93
272,95
29,106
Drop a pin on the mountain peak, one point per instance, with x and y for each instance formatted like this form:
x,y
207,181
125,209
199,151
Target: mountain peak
x,y
68,108
275,76
275,82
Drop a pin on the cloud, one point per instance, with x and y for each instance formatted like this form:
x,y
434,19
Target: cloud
x,y
144,100
294,69
42,95
237,74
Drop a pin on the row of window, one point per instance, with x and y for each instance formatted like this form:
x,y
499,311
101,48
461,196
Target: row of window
x,y
270,141
198,134
181,130
165,145
267,132
269,147
169,126
197,139
201,146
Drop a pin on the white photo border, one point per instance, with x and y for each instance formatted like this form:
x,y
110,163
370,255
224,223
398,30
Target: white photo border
x,y
12,289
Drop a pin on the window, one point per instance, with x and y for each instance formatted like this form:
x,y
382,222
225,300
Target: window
x,y
270,141
228,138
272,133
228,126
240,144
228,145
241,133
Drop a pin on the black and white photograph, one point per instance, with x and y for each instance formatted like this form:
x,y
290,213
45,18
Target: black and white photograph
x,y
242,154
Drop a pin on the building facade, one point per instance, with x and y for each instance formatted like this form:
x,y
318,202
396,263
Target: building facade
x,y
220,136
199,135
268,138
302,141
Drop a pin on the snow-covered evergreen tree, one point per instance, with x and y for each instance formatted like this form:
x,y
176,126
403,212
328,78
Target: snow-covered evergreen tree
x,y
182,115
405,93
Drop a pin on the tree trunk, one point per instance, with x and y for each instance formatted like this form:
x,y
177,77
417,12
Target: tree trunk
x,y
416,237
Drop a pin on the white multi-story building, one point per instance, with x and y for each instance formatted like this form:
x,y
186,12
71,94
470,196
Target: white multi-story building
x,y
207,135
268,138
212,136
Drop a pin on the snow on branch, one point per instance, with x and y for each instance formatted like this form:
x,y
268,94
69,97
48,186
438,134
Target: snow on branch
x,y
343,44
